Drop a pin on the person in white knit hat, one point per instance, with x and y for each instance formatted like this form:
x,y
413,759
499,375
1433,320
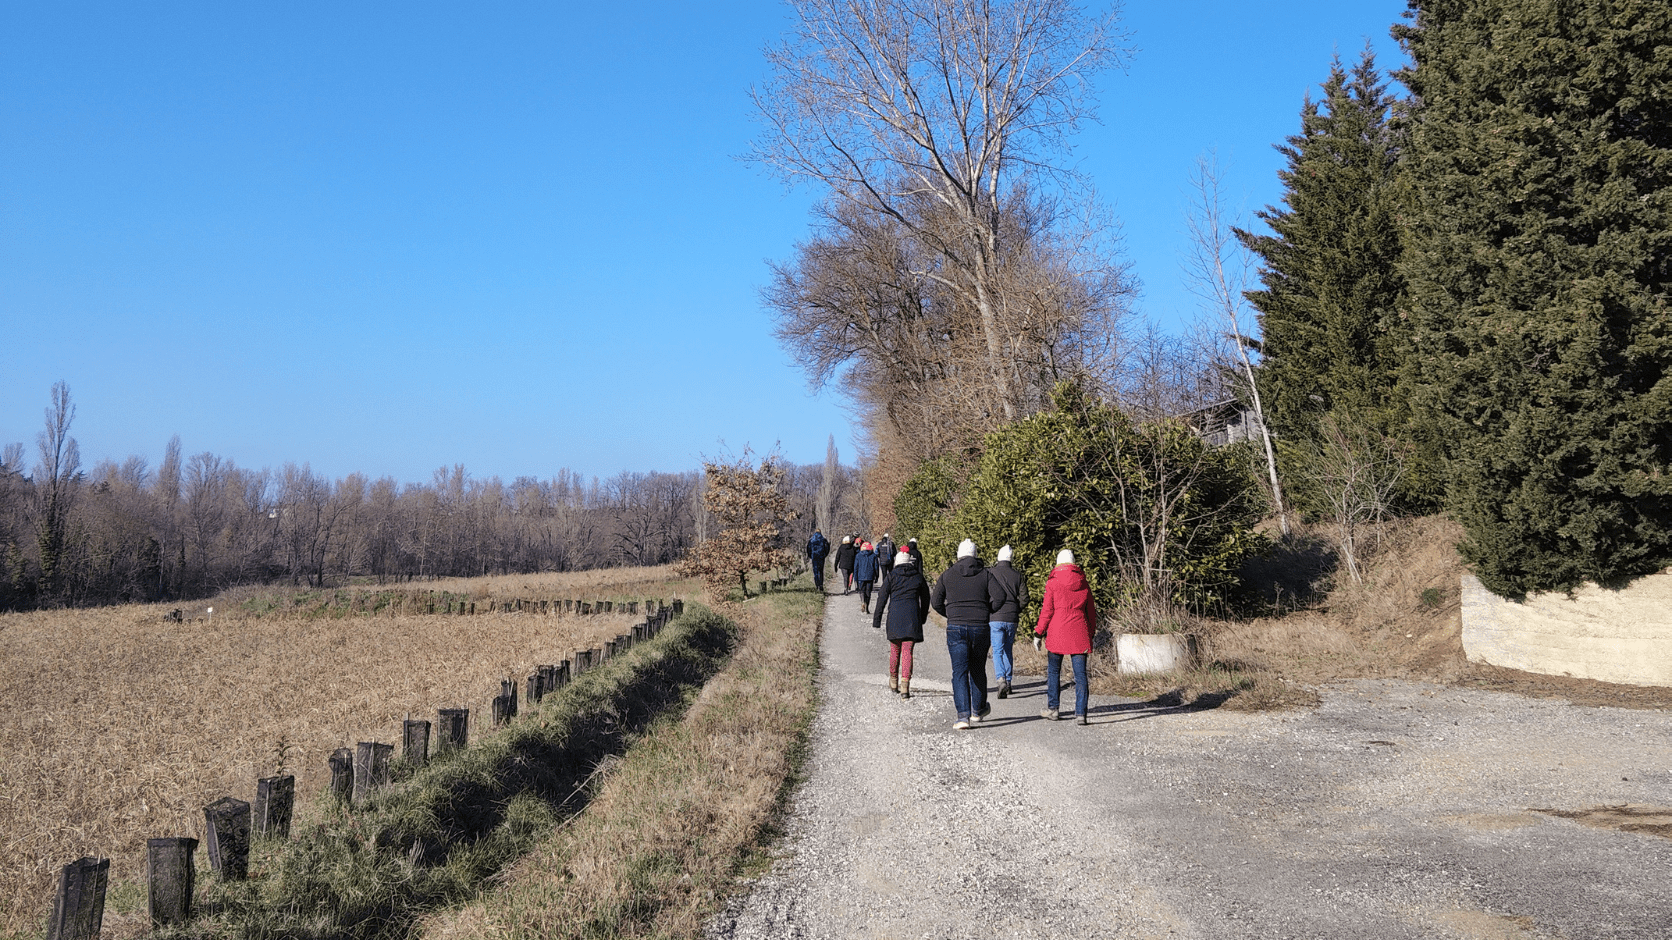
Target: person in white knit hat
x,y
905,599
963,595
1067,619
1009,598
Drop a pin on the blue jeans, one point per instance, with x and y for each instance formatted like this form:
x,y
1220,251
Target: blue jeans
x,y
1053,681
818,572
966,643
1004,641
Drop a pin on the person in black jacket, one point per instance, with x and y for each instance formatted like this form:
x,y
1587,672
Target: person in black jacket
x,y
844,562
963,595
1009,599
905,597
818,548
885,554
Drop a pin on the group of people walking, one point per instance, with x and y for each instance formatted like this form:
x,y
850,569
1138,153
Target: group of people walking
x,y
982,606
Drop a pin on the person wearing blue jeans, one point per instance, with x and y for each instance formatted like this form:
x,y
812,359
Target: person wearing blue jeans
x,y
962,595
1067,624
966,644
1009,598
1053,683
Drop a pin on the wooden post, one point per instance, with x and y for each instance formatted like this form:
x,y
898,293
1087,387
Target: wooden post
x,y
633,608
342,773
536,687
371,769
453,729
78,911
609,607
678,607
415,742
275,800
169,877
563,674
228,831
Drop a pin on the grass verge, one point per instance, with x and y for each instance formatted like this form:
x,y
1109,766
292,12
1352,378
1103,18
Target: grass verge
x,y
435,839
692,804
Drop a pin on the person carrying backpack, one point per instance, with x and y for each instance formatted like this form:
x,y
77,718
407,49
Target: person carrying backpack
x,y
885,555
865,574
818,548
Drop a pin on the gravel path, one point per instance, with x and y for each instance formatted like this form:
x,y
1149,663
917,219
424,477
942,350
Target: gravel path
x,y
1394,810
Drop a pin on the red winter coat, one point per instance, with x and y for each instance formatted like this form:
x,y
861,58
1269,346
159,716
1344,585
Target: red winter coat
x,y
1069,615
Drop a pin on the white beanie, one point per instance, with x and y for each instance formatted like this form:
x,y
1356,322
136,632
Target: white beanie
x,y
966,549
1065,557
846,539
1004,553
903,558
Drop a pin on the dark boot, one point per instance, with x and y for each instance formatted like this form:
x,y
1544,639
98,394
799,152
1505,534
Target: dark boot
x,y
1004,689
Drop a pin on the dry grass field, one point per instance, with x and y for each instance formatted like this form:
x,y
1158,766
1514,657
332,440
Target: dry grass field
x,y
120,725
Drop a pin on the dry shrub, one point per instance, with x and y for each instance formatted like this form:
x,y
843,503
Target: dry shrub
x,y
121,726
1403,620
657,847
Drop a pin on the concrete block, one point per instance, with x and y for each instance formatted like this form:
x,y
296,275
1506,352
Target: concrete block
x,y
1622,635
1147,652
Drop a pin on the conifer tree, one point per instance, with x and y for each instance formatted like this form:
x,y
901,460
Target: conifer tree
x,y
1331,334
1538,262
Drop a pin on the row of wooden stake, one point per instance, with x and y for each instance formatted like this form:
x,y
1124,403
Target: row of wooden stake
x,y
356,774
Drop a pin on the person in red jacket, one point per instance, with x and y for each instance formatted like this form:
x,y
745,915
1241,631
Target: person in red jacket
x,y
1067,619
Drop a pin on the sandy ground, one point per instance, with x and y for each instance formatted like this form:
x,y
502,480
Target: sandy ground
x,y
1394,810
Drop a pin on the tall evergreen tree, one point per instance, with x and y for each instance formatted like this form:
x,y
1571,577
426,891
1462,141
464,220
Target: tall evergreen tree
x,y
1331,333
1538,262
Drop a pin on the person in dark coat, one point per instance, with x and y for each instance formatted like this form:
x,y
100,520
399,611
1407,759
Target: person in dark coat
x,y
1010,598
962,595
916,555
885,555
844,561
818,548
865,574
905,598
1067,620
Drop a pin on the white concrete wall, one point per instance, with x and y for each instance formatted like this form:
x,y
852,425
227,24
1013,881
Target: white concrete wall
x,y
1616,636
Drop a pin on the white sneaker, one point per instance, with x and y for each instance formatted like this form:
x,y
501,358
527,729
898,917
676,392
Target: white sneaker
x,y
961,724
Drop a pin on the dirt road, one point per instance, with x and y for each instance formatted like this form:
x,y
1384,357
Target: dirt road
x,y
1394,810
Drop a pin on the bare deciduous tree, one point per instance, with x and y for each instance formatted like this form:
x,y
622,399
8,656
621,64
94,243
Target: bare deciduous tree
x,y
1355,472
1219,272
947,274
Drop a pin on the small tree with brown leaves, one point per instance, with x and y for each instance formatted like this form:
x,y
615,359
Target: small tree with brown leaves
x,y
749,504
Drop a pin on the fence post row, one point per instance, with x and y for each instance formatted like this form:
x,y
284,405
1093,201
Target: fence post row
x,y
78,912
228,828
275,800
169,878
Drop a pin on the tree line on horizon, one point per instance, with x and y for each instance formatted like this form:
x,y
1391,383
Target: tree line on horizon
x,y
195,525
1461,304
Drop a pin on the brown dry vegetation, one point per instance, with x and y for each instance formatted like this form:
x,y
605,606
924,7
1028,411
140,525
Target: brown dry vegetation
x,y
1404,621
121,726
673,819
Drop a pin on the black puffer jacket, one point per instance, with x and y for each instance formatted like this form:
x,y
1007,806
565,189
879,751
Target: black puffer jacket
x,y
844,555
961,593
905,595
1009,593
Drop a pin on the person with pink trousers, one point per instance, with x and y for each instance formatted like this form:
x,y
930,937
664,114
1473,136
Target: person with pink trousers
x,y
1067,620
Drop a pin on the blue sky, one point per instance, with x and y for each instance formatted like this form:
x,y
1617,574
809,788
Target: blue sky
x,y
390,237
